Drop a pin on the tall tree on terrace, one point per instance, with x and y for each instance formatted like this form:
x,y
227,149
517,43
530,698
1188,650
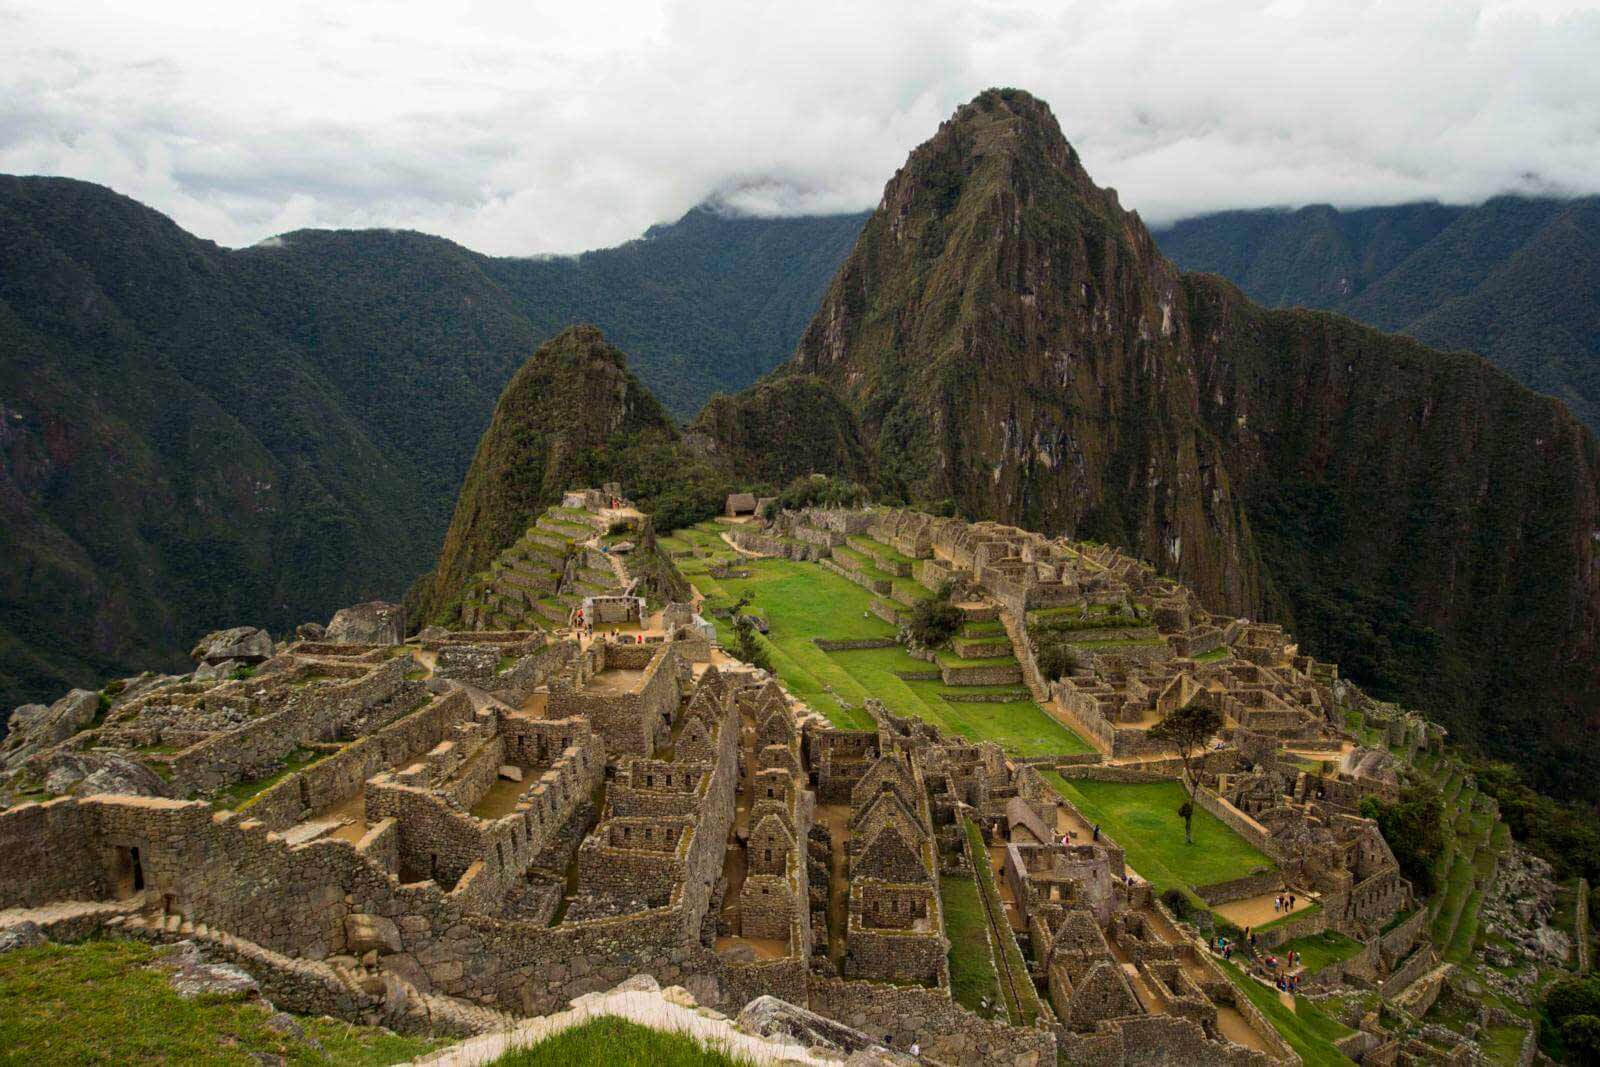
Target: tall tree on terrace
x,y
1187,729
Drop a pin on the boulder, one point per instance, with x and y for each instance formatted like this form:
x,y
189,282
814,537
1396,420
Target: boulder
x,y
433,633
217,672
35,727
778,1020
246,644
21,935
192,975
88,773
364,933
373,623
310,631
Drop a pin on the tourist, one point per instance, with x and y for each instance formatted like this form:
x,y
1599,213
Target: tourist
x,y
1291,901
916,1049
1097,831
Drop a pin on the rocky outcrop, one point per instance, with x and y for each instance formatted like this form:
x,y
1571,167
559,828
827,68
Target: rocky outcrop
x,y
243,644
778,1020
33,728
89,773
372,623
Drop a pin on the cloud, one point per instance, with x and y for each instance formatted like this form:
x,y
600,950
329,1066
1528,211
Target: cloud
x,y
538,128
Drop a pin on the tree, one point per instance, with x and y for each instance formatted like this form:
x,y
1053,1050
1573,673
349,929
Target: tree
x,y
1414,828
1581,1036
1055,658
1187,729
747,644
934,620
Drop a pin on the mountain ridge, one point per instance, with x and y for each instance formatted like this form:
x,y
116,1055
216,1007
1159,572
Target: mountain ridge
x,y
196,436
1012,341
1513,278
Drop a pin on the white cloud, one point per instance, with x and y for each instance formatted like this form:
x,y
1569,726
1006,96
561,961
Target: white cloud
x,y
526,128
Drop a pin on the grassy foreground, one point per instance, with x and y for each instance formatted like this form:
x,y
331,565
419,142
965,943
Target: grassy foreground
x,y
612,1042
1144,820
99,1002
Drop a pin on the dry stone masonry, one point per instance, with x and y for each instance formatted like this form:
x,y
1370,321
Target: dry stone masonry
x,y
495,820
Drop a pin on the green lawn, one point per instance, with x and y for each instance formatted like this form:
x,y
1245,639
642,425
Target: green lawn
x,y
1319,950
1143,819
1024,1007
1308,1031
99,1003
611,1042
803,601
973,979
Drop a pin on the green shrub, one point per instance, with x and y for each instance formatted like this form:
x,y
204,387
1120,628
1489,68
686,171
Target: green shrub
x,y
1056,659
1571,997
934,620
1581,1036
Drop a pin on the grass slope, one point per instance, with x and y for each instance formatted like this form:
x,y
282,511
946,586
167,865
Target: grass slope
x,y
612,1042
99,1002
802,601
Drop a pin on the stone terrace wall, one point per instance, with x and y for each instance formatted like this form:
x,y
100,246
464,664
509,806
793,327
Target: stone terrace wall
x,y
343,774
1251,885
946,1031
1236,820
43,858
315,713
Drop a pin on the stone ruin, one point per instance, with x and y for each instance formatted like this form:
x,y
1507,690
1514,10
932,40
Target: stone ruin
x,y
490,821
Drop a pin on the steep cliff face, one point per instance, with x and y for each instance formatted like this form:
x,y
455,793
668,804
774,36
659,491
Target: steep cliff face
x,y
1010,339
571,416
1429,523
779,430
1013,342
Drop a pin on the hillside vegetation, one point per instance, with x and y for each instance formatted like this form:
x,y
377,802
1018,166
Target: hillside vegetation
x,y
1513,279
194,437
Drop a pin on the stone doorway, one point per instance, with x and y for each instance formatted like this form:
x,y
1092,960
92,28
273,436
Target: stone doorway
x,y
129,872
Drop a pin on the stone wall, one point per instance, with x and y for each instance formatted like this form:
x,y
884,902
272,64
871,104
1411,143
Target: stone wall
x,y
1011,675
1251,885
1236,820
945,1031
44,858
343,774
313,713
633,722
1399,941
827,645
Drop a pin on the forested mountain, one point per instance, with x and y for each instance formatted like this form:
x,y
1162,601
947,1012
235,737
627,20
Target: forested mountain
x,y
1515,279
193,436
1013,344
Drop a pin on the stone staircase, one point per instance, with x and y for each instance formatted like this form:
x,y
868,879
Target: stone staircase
x,y
1024,653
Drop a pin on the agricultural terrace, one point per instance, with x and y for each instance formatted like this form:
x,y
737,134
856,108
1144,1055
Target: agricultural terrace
x,y
801,602
1143,818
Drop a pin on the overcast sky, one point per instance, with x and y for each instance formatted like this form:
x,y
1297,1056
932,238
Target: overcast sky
x,y
535,127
